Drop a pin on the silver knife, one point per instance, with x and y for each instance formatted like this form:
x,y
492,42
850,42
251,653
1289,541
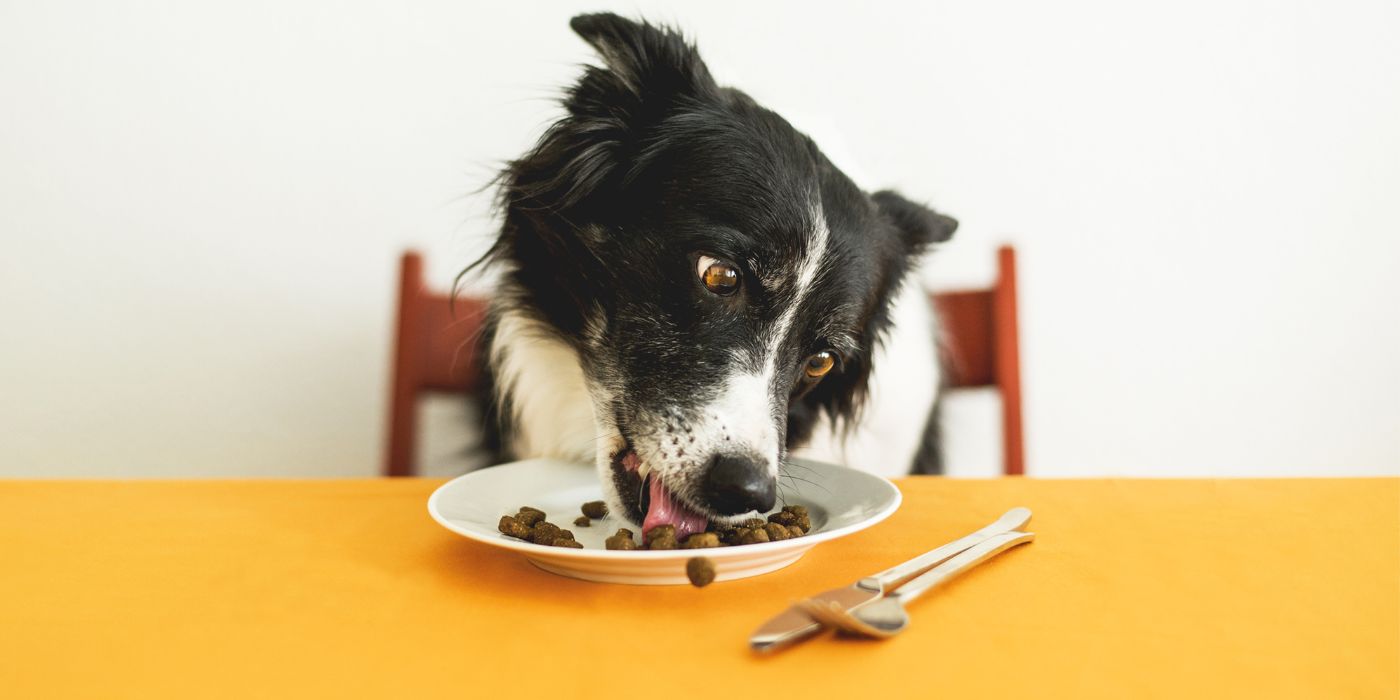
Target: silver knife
x,y
793,625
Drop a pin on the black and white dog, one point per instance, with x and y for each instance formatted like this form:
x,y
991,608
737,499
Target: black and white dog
x,y
691,290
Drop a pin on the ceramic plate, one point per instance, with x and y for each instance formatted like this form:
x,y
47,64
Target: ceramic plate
x,y
839,500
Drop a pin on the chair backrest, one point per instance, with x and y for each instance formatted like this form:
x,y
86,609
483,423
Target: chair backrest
x,y
435,348
434,352
982,348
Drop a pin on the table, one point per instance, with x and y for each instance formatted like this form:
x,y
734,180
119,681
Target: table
x,y
1133,589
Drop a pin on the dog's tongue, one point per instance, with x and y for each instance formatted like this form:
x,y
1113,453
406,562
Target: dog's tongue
x,y
665,510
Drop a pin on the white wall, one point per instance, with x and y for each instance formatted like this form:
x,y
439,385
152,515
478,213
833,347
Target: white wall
x,y
201,205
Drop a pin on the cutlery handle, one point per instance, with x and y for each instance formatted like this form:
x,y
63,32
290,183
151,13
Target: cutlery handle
x,y
1012,520
963,561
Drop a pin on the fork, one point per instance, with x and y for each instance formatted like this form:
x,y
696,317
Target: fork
x,y
887,617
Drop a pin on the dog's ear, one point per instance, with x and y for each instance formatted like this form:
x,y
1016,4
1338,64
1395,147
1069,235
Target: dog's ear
x,y
656,64
919,225
648,72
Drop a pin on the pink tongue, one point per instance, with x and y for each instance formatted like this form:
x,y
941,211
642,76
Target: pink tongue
x,y
665,510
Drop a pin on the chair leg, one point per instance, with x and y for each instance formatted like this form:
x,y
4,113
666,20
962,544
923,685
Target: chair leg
x,y
403,402
1008,361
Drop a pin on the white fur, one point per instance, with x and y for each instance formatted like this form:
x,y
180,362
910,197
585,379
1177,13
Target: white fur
x,y
542,378
802,281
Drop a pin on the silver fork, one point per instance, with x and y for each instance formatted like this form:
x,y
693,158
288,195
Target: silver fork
x,y
887,617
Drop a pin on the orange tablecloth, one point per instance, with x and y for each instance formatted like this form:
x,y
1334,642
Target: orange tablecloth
x,y
1277,588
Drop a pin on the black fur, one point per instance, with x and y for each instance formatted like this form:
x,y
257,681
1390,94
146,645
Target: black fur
x,y
654,164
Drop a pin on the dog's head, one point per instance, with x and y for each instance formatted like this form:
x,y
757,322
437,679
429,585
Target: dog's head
x,y
721,281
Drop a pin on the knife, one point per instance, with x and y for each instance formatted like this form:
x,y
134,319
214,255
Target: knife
x,y
793,625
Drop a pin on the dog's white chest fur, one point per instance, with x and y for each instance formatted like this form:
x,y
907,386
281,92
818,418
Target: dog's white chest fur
x,y
552,412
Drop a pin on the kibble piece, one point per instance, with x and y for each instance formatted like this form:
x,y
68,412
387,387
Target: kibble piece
x,y
596,510
804,520
660,537
795,531
530,516
582,521
700,571
753,523
701,540
624,531
545,532
562,542
663,542
782,517
753,536
776,532
513,527
620,541
566,534
658,532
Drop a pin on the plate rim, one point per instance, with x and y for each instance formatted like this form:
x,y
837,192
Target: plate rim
x,y
806,541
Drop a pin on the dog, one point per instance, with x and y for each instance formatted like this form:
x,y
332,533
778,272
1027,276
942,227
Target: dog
x,y
691,292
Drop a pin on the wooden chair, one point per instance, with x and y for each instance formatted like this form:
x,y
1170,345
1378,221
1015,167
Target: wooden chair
x,y
435,344
982,348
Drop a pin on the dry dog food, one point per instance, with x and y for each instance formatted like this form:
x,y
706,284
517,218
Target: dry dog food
x,y
530,524
660,537
700,571
701,540
621,540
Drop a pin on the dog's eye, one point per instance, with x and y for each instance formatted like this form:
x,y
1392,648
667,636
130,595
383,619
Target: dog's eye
x,y
819,364
719,277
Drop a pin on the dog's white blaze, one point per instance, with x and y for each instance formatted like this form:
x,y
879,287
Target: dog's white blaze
x,y
807,271
543,380
744,408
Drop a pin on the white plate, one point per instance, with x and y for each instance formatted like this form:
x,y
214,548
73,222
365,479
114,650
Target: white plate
x,y
839,501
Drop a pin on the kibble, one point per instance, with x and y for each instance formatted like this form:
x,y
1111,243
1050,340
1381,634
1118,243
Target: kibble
x,y
804,519
513,527
701,540
530,516
622,540
530,524
700,571
660,537
545,532
596,510
753,536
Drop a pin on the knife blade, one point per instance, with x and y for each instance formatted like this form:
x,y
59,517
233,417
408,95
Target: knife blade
x,y
793,624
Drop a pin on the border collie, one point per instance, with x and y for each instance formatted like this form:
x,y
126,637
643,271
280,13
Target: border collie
x,y
691,291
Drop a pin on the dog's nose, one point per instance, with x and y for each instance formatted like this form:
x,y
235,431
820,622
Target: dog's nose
x,y
735,484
